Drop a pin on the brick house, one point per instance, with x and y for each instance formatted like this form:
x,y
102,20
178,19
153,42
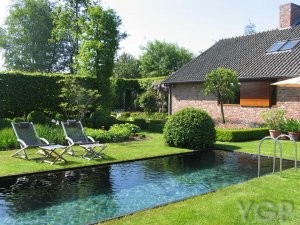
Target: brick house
x,y
259,60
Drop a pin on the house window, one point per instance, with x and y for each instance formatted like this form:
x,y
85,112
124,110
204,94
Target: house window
x,y
280,46
257,93
289,45
276,46
235,100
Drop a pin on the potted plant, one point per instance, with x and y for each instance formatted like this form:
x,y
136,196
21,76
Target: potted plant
x,y
292,126
274,120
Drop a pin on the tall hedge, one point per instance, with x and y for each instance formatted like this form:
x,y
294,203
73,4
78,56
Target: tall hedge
x,y
22,93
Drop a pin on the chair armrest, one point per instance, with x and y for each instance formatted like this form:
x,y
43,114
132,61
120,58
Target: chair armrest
x,y
22,143
45,141
70,141
92,139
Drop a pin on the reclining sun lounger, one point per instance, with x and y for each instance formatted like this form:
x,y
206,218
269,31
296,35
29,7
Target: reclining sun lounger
x,y
75,135
28,138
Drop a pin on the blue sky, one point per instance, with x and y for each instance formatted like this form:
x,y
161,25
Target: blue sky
x,y
193,24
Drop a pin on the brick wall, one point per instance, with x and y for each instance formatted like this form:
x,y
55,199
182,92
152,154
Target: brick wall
x,y
191,95
289,14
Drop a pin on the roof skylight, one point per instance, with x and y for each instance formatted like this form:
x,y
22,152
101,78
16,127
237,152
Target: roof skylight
x,y
283,45
276,46
289,45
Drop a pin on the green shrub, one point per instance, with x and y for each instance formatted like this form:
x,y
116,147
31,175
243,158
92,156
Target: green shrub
x,y
18,119
54,134
101,119
273,118
190,128
37,117
117,133
141,123
291,125
120,132
100,135
241,134
158,116
148,101
156,126
5,123
8,139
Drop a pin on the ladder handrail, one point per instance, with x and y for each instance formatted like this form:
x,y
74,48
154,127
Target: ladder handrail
x,y
276,141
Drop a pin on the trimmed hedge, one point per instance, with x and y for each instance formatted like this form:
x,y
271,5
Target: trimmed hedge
x,y
22,93
141,123
156,126
241,134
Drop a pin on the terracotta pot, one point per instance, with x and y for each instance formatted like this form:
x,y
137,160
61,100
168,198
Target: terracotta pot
x,y
274,133
294,135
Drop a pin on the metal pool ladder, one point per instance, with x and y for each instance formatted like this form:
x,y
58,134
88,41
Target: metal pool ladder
x,y
276,142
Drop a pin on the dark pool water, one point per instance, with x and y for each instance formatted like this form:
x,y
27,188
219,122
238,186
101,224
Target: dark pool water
x,y
98,193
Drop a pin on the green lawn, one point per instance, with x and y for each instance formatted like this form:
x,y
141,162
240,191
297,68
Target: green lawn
x,y
115,152
267,148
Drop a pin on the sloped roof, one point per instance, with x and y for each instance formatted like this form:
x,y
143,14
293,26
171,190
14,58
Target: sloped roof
x,y
247,56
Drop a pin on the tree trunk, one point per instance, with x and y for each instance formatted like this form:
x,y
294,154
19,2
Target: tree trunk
x,y
222,111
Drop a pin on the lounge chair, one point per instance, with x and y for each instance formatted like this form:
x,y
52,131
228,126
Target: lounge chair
x,y
28,138
75,135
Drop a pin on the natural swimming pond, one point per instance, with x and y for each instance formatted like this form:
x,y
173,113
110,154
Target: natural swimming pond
x,y
98,193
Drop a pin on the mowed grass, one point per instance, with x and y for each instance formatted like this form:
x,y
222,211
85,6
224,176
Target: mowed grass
x,y
153,146
267,148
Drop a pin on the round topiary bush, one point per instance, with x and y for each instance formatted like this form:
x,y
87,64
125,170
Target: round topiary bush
x,y
37,117
190,128
101,119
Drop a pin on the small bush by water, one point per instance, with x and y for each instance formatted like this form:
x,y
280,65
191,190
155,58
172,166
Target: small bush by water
x,y
190,128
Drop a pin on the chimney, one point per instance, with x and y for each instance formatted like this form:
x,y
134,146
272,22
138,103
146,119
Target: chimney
x,y
289,15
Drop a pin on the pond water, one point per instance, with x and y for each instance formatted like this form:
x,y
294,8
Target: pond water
x,y
93,194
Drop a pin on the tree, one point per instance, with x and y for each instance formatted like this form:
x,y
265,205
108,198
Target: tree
x,y
148,101
126,66
99,42
162,58
67,17
25,37
76,100
223,83
250,28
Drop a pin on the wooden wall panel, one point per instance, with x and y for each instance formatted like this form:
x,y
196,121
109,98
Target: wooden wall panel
x,y
255,93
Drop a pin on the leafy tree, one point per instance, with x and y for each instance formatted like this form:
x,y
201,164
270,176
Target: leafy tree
x,y
126,66
68,17
76,100
162,58
99,42
148,101
250,28
223,83
25,37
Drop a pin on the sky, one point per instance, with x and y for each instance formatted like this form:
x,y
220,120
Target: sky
x,y
192,24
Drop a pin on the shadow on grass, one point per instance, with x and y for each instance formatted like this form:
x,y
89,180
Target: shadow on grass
x,y
227,147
